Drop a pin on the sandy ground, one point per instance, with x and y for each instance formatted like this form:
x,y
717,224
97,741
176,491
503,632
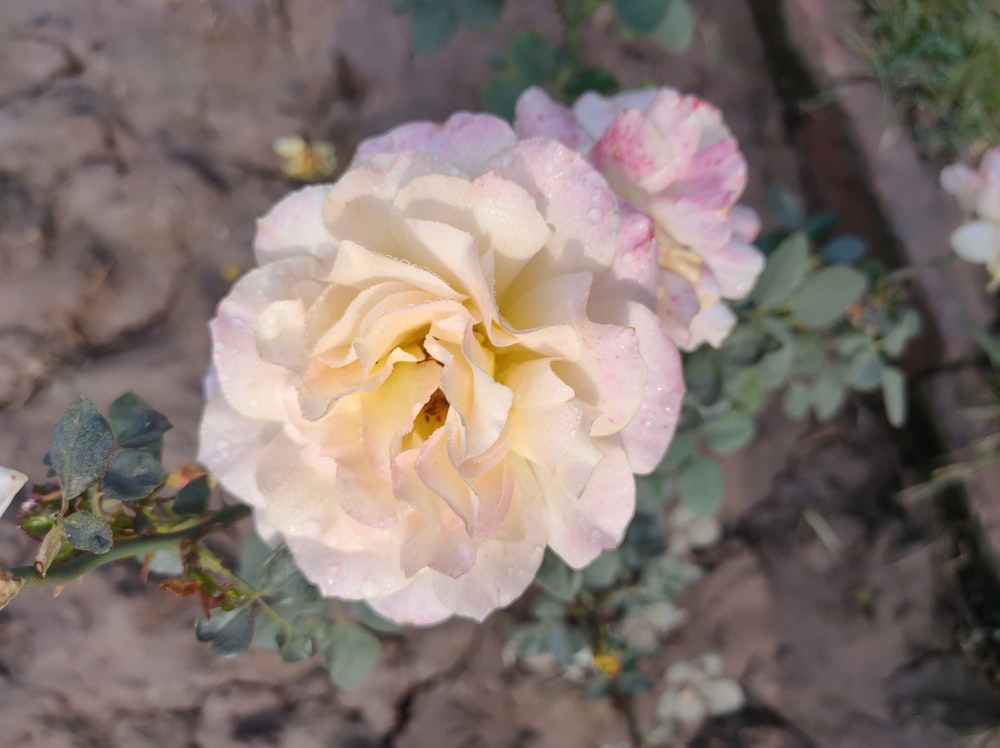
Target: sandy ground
x,y
135,153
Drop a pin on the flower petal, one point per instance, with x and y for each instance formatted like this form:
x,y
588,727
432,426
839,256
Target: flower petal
x,y
976,241
11,482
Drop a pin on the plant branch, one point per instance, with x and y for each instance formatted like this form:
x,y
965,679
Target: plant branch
x,y
67,572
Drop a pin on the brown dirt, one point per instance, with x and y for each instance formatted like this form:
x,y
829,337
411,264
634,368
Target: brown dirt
x,y
135,153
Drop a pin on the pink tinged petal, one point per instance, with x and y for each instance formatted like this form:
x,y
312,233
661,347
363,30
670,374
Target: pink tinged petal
x,y
466,140
696,221
544,434
358,267
387,414
635,271
963,183
718,168
299,499
744,222
633,154
293,227
503,570
437,471
501,215
735,266
451,254
988,202
352,575
595,113
648,434
415,605
359,205
976,241
610,374
252,385
482,403
711,325
989,167
573,198
452,552
677,304
229,445
581,526
538,116
11,482
535,385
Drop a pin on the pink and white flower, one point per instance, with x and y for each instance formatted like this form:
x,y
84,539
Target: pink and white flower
x,y
669,157
978,192
445,362
11,482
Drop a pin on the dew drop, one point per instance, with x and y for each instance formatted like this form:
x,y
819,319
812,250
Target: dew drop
x,y
311,529
594,215
595,536
237,322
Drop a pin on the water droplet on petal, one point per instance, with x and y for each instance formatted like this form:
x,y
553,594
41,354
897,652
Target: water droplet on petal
x,y
594,215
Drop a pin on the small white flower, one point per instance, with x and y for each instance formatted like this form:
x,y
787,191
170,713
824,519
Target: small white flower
x,y
695,691
10,483
688,531
978,192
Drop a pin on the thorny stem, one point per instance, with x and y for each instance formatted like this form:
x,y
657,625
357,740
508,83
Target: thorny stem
x,y
67,572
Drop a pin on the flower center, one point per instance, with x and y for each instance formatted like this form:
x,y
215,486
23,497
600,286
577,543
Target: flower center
x,y
432,415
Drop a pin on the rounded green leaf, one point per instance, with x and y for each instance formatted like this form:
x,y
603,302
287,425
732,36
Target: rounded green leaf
x,y
702,486
775,367
136,424
796,401
681,447
86,532
500,95
558,579
193,498
81,447
783,273
132,474
676,31
844,250
479,14
431,25
531,58
828,394
894,392
826,295
229,632
640,16
865,371
728,432
787,208
582,80
702,377
351,655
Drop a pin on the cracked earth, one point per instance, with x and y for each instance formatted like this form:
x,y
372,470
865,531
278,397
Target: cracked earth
x,y
135,154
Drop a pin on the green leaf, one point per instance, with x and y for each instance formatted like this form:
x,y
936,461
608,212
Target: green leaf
x,y
865,371
828,396
229,632
500,95
640,16
652,490
362,613
728,432
894,393
681,447
603,571
746,345
775,367
746,390
820,225
283,581
787,208
132,474
702,486
532,59
558,579
582,80
844,250
431,25
826,295
136,424
351,655
402,6
784,271
676,31
702,377
296,648
908,327
796,401
479,14
81,447
193,498
86,532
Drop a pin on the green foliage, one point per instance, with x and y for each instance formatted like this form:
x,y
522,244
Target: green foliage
x,y
85,532
132,474
228,632
193,498
701,485
351,654
81,448
137,425
432,22
640,16
939,61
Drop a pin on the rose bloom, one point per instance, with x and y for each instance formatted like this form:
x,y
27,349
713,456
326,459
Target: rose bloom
x,y
669,157
11,482
445,361
978,192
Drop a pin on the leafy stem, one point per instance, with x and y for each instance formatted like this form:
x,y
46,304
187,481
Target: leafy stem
x,y
67,572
